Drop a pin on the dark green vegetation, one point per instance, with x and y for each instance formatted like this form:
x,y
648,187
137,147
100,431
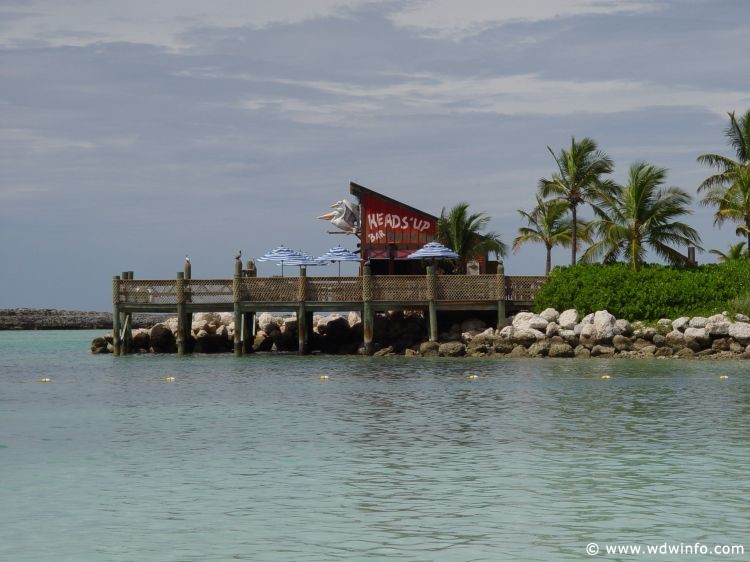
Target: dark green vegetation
x,y
463,233
653,292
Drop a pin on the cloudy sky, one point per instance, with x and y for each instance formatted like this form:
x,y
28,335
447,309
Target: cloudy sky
x,y
135,132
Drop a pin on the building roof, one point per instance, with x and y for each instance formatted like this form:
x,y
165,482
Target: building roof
x,y
360,190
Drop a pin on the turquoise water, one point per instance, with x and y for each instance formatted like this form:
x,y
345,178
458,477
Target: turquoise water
x,y
256,458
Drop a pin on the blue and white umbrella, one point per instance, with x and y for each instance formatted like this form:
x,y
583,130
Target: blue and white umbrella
x,y
433,250
340,254
305,259
281,254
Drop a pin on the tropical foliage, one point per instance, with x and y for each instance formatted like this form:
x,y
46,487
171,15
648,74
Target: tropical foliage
x,y
548,224
734,253
639,215
462,232
581,170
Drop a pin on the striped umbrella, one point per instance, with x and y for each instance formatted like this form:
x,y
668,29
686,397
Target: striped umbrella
x,y
281,254
305,259
339,254
433,250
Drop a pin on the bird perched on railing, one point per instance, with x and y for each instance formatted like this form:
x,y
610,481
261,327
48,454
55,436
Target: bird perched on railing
x,y
239,255
187,258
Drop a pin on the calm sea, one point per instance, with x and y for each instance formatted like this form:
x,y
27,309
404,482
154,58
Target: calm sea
x,y
257,458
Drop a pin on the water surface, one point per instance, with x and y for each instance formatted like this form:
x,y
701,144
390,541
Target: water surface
x,y
256,458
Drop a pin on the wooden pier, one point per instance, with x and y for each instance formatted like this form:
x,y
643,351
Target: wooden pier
x,y
368,294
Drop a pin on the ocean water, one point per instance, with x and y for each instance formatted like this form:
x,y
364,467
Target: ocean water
x,y
257,458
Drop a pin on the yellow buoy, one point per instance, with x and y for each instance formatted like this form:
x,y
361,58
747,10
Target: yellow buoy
x,y
473,376
169,379
605,377
324,377
45,379
723,377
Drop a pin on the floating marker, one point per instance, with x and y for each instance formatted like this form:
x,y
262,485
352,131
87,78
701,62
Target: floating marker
x,y
473,376
723,377
169,379
324,377
45,379
605,377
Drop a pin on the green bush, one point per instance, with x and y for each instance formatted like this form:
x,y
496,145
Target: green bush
x,y
654,292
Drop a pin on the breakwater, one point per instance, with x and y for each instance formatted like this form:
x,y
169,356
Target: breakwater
x,y
56,319
547,334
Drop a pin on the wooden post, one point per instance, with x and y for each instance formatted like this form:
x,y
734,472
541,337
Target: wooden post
x,y
116,345
238,342
301,312
309,328
368,318
431,282
188,320
501,295
126,336
181,317
248,330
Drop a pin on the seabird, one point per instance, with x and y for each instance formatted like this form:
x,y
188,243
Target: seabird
x,y
239,255
187,258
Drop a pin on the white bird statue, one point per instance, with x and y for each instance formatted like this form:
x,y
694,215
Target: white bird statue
x,y
345,215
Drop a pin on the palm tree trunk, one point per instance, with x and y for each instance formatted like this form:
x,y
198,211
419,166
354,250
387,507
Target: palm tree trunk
x,y
747,227
574,237
549,260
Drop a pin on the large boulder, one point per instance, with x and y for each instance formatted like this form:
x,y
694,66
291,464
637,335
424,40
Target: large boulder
x,y
740,332
529,321
569,336
539,349
552,330
623,328
680,324
429,348
698,322
602,351
696,338
717,325
452,349
587,335
527,336
354,318
269,323
473,325
99,345
550,314
622,343
604,322
162,339
141,339
262,341
560,350
675,339
568,319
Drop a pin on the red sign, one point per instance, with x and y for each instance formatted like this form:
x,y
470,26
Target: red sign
x,y
385,222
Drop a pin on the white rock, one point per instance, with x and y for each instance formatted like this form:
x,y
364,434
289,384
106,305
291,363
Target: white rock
x,y
569,336
171,323
717,325
623,327
698,335
529,321
568,319
470,335
587,335
527,336
222,331
604,323
208,317
199,325
675,339
552,329
290,325
269,323
740,331
550,314
588,319
354,318
506,332
226,318
741,318
664,322
681,323
698,322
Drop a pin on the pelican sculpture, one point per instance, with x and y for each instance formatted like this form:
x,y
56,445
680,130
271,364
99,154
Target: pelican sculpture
x,y
345,215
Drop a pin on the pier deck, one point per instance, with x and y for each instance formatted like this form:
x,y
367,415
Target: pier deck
x,y
245,296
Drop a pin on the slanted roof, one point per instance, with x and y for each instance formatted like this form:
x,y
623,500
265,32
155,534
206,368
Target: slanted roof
x,y
360,190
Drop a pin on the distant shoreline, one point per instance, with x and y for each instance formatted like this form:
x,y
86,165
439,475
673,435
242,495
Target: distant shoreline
x,y
57,319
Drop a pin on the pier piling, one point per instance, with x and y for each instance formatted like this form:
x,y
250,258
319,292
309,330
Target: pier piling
x,y
116,344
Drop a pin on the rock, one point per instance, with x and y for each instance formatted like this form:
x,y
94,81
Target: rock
x,y
262,341
226,318
479,350
696,338
552,329
568,319
717,325
385,351
602,351
675,339
550,314
141,339
172,324
466,337
664,322
198,325
735,347
582,352
740,332
527,336
269,323
641,343
334,327
354,318
506,332
588,319
587,336
539,349
623,328
473,325
604,323
162,339
663,352
622,343
503,346
684,353
681,323
452,349
741,318
744,355
99,345
518,351
649,333
429,348
211,343
647,351
698,322
528,320
560,350
569,336
720,344
207,317
658,340
409,352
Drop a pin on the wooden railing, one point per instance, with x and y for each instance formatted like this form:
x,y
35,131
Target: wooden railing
x,y
408,289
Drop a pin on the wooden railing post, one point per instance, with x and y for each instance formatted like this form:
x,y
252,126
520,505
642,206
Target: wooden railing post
x,y
501,318
431,290
126,339
368,318
116,344
236,290
188,272
181,317
301,312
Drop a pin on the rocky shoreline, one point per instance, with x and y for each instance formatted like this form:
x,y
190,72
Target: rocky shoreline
x,y
55,319
550,334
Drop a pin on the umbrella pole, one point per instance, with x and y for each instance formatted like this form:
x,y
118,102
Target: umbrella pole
x,y
339,269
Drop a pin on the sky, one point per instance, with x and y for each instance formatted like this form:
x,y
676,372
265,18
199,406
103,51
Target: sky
x,y
133,133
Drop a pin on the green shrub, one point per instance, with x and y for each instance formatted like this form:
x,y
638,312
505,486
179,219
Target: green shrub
x,y
656,291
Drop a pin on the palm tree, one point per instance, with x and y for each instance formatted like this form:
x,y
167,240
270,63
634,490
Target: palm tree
x,y
734,253
639,214
580,174
729,188
463,233
548,224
